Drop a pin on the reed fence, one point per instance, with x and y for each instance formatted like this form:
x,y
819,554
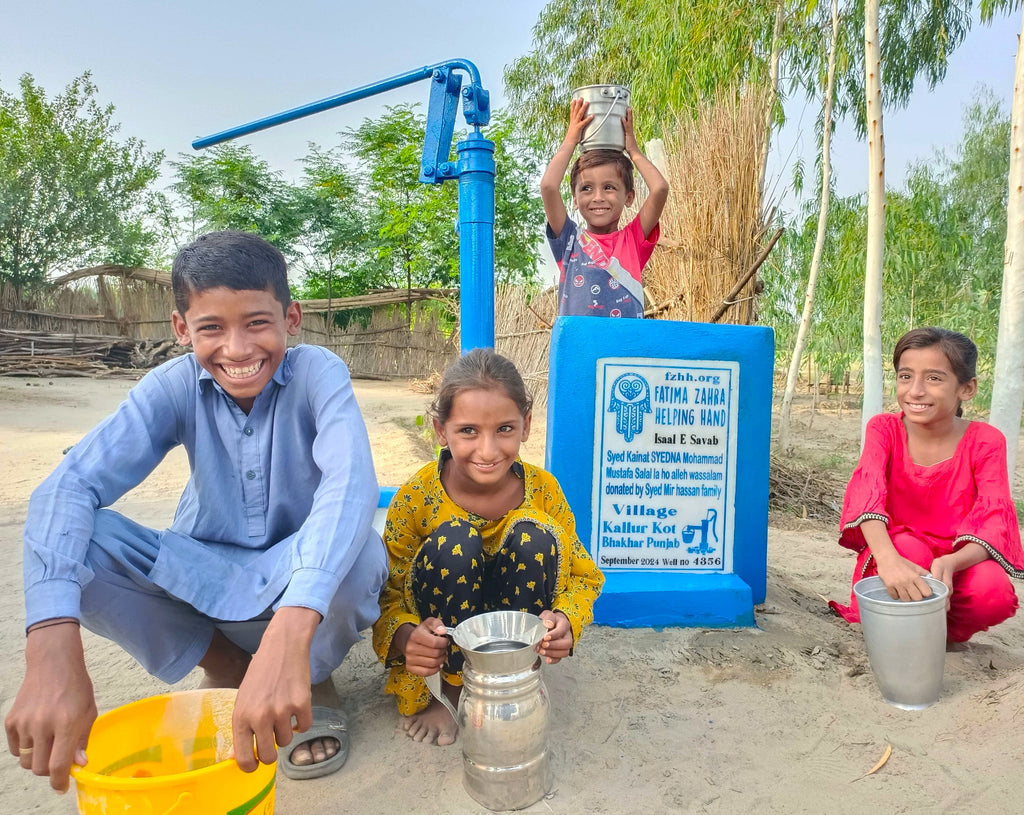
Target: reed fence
x,y
107,319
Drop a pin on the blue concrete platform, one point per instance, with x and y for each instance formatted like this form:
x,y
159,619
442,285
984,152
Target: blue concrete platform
x,y
658,432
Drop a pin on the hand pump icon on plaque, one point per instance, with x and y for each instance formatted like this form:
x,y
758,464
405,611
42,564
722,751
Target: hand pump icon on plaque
x,y
709,524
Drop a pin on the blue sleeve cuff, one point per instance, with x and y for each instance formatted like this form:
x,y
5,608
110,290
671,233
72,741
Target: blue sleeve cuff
x,y
49,599
310,588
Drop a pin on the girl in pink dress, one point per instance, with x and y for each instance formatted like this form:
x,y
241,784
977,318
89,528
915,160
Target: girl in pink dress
x,y
931,494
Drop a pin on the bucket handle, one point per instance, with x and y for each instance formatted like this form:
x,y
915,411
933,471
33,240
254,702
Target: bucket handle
x,y
611,107
433,683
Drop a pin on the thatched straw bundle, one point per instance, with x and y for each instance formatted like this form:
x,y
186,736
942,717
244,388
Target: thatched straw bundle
x,y
713,225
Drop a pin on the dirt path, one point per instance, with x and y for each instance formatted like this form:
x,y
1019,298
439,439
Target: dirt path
x,y
781,718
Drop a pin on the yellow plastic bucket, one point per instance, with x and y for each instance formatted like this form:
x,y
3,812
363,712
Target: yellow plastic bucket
x,y
168,755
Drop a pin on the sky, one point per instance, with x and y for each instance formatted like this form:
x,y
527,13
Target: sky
x,y
183,69
179,70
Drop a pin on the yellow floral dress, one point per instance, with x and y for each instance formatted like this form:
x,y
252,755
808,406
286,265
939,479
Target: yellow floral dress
x,y
420,506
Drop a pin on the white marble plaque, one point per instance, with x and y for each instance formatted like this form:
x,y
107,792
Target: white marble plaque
x,y
664,465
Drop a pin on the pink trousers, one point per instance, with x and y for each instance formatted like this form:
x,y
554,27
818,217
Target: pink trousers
x,y
982,594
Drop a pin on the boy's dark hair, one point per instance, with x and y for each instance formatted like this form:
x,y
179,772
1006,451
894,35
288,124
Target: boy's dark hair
x,y
480,369
240,261
595,158
961,352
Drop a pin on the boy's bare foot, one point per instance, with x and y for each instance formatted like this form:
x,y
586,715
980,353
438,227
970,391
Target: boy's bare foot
x,y
313,751
224,664
434,724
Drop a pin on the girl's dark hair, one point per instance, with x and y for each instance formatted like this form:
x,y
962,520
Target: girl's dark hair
x,y
595,158
480,369
234,260
961,352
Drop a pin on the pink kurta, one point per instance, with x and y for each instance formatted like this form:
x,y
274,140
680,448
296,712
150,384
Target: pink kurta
x,y
934,510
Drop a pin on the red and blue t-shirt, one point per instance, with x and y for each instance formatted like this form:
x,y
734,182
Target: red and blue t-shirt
x,y
601,274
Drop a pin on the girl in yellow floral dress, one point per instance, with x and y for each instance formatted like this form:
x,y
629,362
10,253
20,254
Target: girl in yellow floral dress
x,y
479,530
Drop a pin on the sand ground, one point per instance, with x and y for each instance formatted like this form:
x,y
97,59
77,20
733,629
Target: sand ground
x,y
781,718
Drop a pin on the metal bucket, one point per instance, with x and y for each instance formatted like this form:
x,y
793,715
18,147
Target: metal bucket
x,y
607,104
503,710
905,641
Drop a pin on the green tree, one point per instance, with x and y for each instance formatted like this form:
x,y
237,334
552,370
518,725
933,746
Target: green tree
x,y
518,209
1008,394
819,240
413,225
359,218
229,187
335,237
672,55
334,232
911,38
71,193
944,234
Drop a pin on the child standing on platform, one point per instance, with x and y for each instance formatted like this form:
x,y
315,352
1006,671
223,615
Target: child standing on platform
x,y
931,494
602,266
478,530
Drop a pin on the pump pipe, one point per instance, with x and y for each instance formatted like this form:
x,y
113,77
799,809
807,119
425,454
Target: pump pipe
x,y
337,100
474,170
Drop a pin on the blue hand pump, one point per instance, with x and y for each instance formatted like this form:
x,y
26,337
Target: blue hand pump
x,y
474,170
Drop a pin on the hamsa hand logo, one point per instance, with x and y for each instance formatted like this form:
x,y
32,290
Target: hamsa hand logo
x,y
630,400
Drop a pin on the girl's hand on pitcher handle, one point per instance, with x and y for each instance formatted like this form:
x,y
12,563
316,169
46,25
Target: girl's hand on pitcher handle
x,y
557,643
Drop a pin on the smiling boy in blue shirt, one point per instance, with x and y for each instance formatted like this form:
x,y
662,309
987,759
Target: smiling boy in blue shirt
x,y
270,568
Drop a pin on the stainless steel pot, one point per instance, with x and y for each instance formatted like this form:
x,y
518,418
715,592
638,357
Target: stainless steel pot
x,y
503,710
905,641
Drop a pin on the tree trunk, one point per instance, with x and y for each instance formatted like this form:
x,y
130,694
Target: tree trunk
x,y
872,403
774,80
819,242
1008,388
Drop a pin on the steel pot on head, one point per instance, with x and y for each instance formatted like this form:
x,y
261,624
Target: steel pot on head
x,y
607,104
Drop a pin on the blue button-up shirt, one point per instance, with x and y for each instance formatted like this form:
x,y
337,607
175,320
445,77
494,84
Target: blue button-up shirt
x,y
278,506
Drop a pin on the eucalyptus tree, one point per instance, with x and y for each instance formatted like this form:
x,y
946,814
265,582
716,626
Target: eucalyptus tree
x,y
672,54
910,38
819,242
834,342
945,256
875,250
70,189
848,88
774,60
944,234
1008,389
